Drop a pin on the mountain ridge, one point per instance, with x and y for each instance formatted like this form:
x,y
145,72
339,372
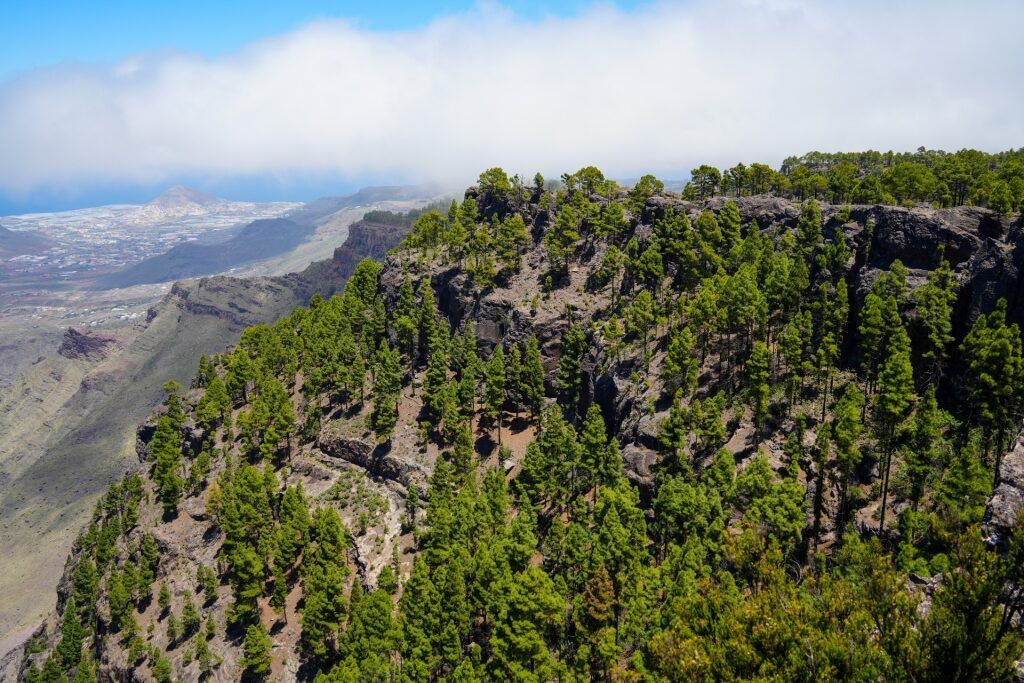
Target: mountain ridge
x,y
634,471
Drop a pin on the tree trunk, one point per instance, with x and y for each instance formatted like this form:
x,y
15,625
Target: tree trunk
x,y
885,484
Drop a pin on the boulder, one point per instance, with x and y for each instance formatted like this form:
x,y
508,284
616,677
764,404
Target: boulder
x,y
638,461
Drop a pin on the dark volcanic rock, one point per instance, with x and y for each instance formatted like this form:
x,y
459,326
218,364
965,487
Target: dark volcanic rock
x,y
84,345
143,436
1007,503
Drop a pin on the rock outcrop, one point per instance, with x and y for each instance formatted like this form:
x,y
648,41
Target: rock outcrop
x,y
1007,502
85,345
378,460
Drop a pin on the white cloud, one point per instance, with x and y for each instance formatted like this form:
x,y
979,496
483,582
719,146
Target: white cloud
x,y
657,89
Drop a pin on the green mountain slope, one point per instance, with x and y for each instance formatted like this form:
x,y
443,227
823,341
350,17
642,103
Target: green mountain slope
x,y
586,433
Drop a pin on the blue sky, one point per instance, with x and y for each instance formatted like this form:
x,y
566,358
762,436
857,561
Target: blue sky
x,y
40,35
44,33
104,102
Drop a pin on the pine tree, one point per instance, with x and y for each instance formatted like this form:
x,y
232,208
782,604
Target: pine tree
x,y
203,657
640,316
680,368
247,578
561,239
207,580
434,383
463,453
820,456
533,377
69,650
729,222
574,345
164,598
173,632
280,422
710,242
612,221
892,403
165,450
118,599
210,629
674,430
878,319
405,321
995,371
825,358
190,618
86,671
466,395
794,342
215,406
611,268
757,382
935,300
511,239
599,453
808,228
241,373
420,621
612,334
494,388
162,670
433,334
923,452
846,430
514,377
387,385
256,651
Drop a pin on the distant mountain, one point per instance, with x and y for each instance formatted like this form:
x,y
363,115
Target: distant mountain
x,y
259,240
181,196
17,243
182,202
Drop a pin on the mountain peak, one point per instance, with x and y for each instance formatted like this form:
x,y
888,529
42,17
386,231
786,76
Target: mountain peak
x,y
179,196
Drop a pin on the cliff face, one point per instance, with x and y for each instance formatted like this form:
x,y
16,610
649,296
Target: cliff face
x,y
61,453
986,253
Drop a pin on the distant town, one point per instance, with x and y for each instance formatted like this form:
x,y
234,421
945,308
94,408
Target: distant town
x,y
81,245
